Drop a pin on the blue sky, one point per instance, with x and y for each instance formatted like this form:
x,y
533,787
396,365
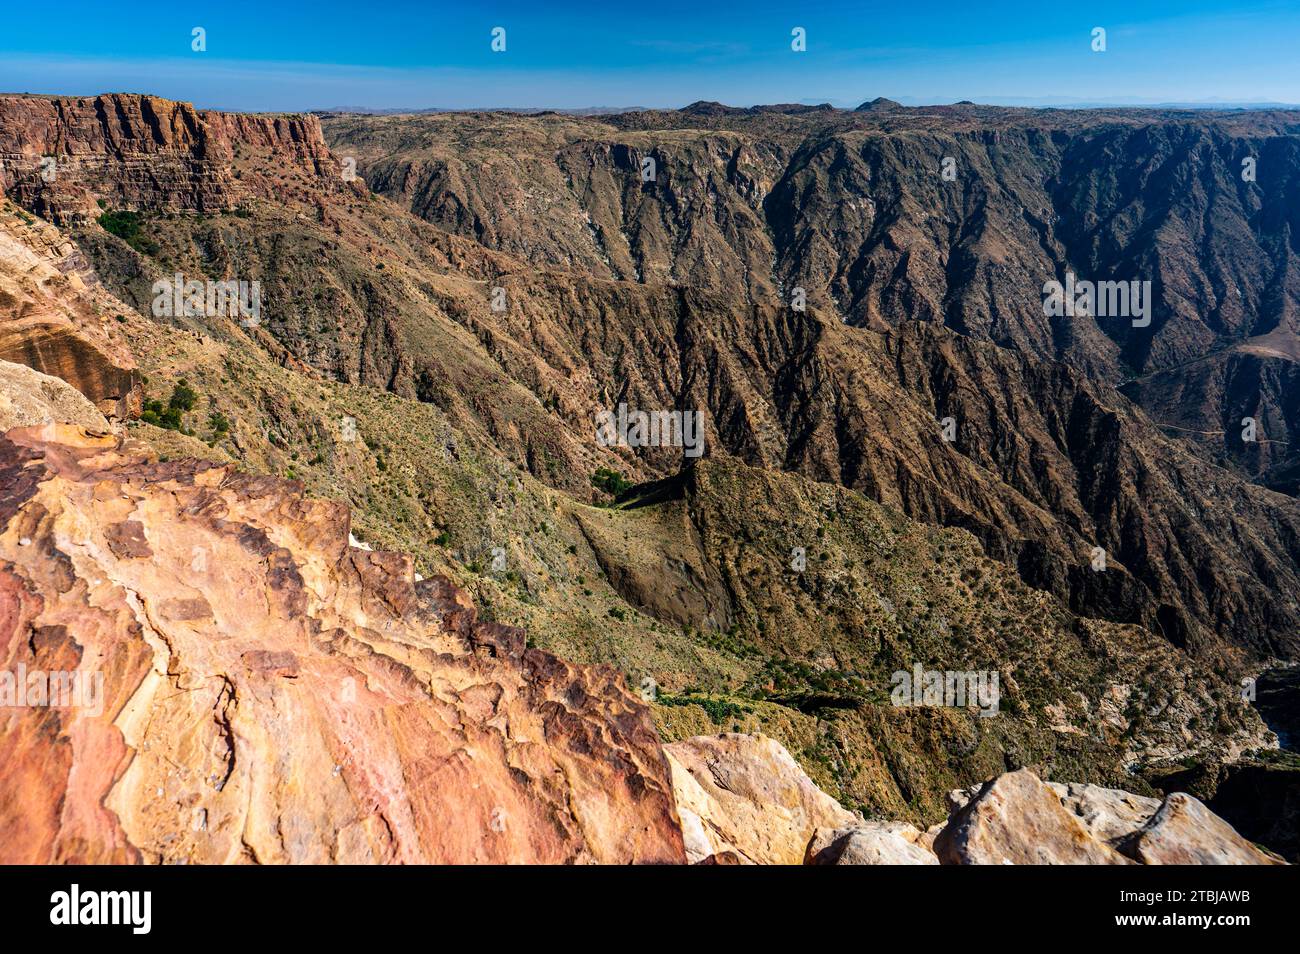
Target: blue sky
x,y
297,56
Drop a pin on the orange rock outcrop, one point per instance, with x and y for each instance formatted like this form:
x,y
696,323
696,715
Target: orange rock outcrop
x,y
268,693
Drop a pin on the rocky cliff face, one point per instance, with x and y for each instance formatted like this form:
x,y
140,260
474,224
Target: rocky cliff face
x,y
57,319
62,155
259,690
68,158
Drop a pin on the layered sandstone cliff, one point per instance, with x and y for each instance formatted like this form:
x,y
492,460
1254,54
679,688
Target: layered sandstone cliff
x,y
56,318
69,157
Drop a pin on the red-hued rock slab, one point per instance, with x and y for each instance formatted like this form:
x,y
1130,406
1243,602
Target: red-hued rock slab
x,y
271,694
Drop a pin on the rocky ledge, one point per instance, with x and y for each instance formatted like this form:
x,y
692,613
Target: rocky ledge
x,y
56,318
236,683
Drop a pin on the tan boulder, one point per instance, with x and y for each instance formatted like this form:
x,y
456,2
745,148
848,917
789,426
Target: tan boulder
x,y
746,794
1016,819
1109,814
28,397
872,843
1184,832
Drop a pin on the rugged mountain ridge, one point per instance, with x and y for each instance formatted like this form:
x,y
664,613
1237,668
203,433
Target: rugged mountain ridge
x,y
855,208
778,387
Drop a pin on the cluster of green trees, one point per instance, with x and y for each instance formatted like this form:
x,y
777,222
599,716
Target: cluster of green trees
x,y
610,481
169,415
127,226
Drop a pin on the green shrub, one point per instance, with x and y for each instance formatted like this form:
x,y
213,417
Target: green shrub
x,y
170,415
610,481
183,396
718,710
126,226
159,415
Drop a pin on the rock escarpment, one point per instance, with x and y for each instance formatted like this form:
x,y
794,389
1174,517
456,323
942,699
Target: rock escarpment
x,y
67,158
268,693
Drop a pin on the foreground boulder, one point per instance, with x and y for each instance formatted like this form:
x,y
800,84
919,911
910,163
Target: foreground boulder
x,y
197,667
746,794
873,843
1017,820
1184,832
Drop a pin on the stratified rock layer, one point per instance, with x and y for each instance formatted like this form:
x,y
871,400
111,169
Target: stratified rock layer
x,y
271,694
69,157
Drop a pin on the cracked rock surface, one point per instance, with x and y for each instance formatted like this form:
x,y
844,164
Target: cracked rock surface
x,y
272,694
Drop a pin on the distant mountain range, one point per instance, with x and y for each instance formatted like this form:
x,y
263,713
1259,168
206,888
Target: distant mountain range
x,y
1044,103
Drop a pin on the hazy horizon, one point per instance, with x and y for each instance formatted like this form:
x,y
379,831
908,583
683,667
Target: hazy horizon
x,y
610,108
